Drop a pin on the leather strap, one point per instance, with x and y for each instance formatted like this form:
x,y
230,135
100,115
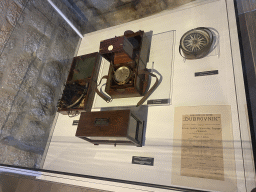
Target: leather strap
x,y
101,94
181,53
151,90
143,99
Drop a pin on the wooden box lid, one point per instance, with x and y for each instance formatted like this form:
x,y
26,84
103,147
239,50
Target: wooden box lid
x,y
103,123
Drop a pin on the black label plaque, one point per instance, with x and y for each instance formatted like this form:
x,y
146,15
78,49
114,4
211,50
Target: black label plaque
x,y
101,121
75,122
158,101
204,73
143,160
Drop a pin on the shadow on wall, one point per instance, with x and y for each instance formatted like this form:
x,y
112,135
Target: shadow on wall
x,y
36,50
92,15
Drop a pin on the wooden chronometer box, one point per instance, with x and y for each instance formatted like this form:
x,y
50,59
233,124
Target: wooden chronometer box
x,y
130,50
84,72
119,127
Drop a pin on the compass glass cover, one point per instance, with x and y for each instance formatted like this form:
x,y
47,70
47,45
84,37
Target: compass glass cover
x,y
195,40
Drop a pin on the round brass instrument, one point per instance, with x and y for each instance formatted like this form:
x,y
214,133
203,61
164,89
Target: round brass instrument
x,y
122,75
196,43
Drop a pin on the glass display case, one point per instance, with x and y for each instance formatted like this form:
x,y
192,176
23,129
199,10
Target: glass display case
x,y
168,109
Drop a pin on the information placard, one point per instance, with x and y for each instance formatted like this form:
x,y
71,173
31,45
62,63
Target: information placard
x,y
203,156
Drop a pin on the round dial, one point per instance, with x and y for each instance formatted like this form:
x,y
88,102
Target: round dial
x,y
195,40
110,47
122,75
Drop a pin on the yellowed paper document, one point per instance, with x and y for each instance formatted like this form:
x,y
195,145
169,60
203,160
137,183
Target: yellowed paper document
x,y
201,150
203,153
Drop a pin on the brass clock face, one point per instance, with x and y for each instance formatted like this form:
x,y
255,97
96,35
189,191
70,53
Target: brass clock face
x,y
122,75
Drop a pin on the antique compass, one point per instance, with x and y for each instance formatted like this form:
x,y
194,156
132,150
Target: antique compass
x,y
196,43
122,75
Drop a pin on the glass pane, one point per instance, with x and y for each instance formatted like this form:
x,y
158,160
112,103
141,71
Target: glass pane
x,y
194,58
132,127
84,68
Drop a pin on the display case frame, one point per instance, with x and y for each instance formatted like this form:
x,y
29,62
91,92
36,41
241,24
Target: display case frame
x,y
245,169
